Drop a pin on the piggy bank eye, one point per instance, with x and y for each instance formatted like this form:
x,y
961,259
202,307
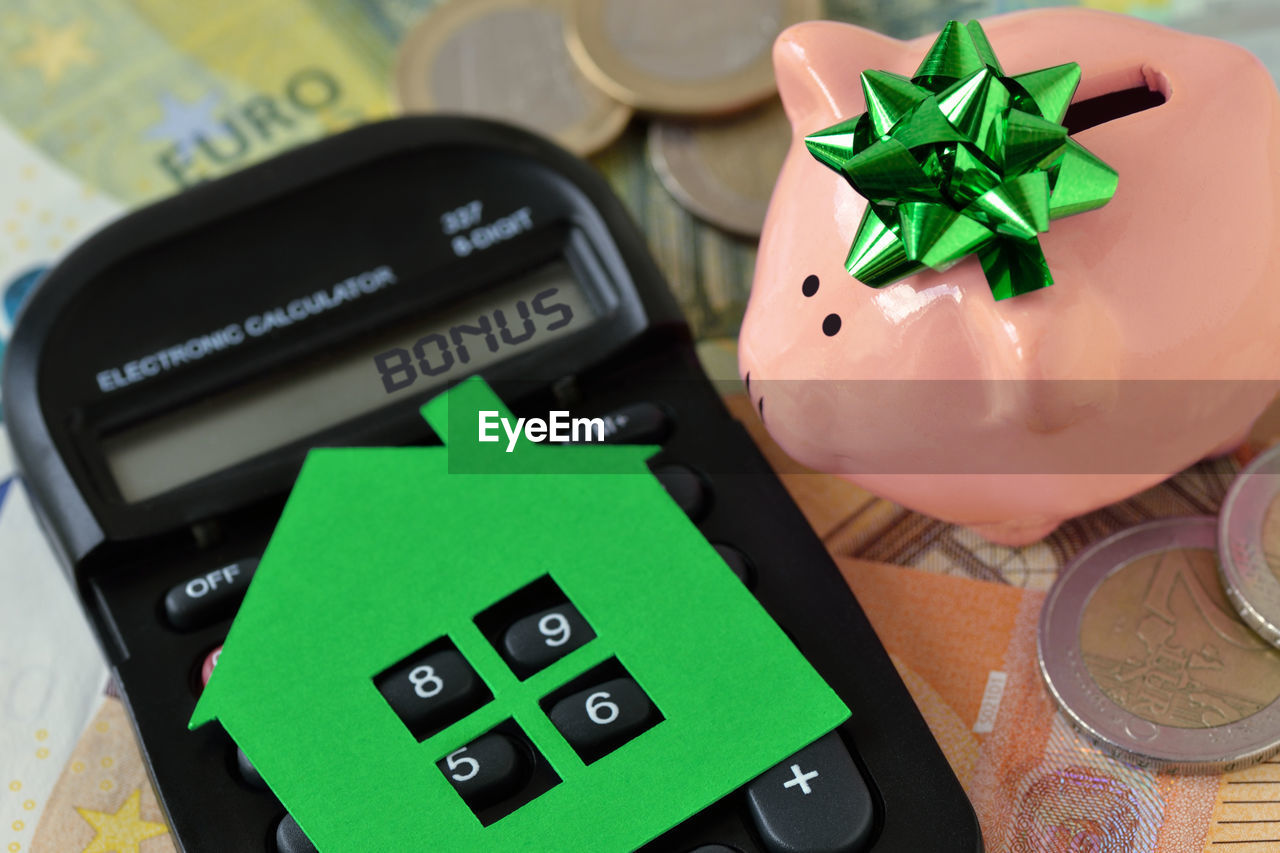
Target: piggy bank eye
x,y
831,325
810,286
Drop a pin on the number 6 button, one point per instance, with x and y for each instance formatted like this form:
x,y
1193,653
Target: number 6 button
x,y
486,771
432,691
540,640
600,719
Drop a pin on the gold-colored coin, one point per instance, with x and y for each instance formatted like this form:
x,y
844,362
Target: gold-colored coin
x,y
723,171
683,57
1161,640
506,60
1145,656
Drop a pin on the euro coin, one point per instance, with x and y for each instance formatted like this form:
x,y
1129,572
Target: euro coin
x,y
506,60
683,57
723,171
1249,540
1146,657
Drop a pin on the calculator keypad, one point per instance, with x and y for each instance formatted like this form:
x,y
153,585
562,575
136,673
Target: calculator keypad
x,y
597,712
599,719
539,640
814,801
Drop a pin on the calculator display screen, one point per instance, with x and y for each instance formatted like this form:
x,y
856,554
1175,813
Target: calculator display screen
x,y
221,431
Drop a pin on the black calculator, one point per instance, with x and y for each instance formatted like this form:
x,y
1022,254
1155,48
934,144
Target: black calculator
x,y
167,379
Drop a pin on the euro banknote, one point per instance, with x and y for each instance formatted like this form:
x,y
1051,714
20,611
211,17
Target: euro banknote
x,y
51,673
967,652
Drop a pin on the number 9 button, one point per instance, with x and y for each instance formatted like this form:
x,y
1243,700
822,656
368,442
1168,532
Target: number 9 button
x,y
537,641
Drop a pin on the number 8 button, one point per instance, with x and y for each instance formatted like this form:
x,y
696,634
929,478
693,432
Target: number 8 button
x,y
433,691
537,641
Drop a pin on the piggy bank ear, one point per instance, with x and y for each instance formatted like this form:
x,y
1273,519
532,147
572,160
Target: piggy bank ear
x,y
818,65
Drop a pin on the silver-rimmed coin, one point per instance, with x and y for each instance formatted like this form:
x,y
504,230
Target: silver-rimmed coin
x,y
723,171
1146,657
1249,540
506,59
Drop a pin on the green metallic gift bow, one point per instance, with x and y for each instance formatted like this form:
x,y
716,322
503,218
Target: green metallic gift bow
x,y
961,159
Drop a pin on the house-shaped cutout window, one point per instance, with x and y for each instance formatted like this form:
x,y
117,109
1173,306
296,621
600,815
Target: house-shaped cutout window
x,y
379,551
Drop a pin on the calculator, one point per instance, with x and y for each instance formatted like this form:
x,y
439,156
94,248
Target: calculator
x,y
168,378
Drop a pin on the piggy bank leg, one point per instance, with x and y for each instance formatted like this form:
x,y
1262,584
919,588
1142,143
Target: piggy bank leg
x,y
1023,531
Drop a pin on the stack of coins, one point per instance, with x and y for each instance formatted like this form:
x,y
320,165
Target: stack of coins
x,y
1160,643
578,70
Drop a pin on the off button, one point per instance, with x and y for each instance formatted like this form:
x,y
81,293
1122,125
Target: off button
x,y
210,597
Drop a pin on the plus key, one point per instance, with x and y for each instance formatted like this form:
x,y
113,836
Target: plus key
x,y
814,802
801,778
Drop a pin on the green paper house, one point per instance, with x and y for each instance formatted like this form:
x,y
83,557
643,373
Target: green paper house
x,y
383,552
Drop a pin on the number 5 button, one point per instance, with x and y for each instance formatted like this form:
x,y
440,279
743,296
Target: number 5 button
x,y
537,641
598,720
487,770
433,691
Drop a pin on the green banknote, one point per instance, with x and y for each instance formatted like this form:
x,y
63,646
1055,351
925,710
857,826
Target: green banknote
x,y
141,98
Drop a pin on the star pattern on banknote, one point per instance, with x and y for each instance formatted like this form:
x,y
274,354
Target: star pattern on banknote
x,y
122,832
52,51
184,122
962,159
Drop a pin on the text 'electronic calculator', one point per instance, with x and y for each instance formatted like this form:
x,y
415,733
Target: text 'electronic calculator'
x,y
168,378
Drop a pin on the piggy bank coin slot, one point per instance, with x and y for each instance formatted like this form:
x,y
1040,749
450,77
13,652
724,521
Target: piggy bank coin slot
x,y
1109,106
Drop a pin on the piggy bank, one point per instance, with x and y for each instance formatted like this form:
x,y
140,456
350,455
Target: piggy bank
x,y
1156,345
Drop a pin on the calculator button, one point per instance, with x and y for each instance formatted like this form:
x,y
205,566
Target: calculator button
x,y
206,668
289,837
208,598
686,488
432,692
248,772
539,640
602,718
814,802
737,561
487,770
639,423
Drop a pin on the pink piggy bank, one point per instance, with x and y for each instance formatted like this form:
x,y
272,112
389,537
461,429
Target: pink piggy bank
x,y
1157,345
